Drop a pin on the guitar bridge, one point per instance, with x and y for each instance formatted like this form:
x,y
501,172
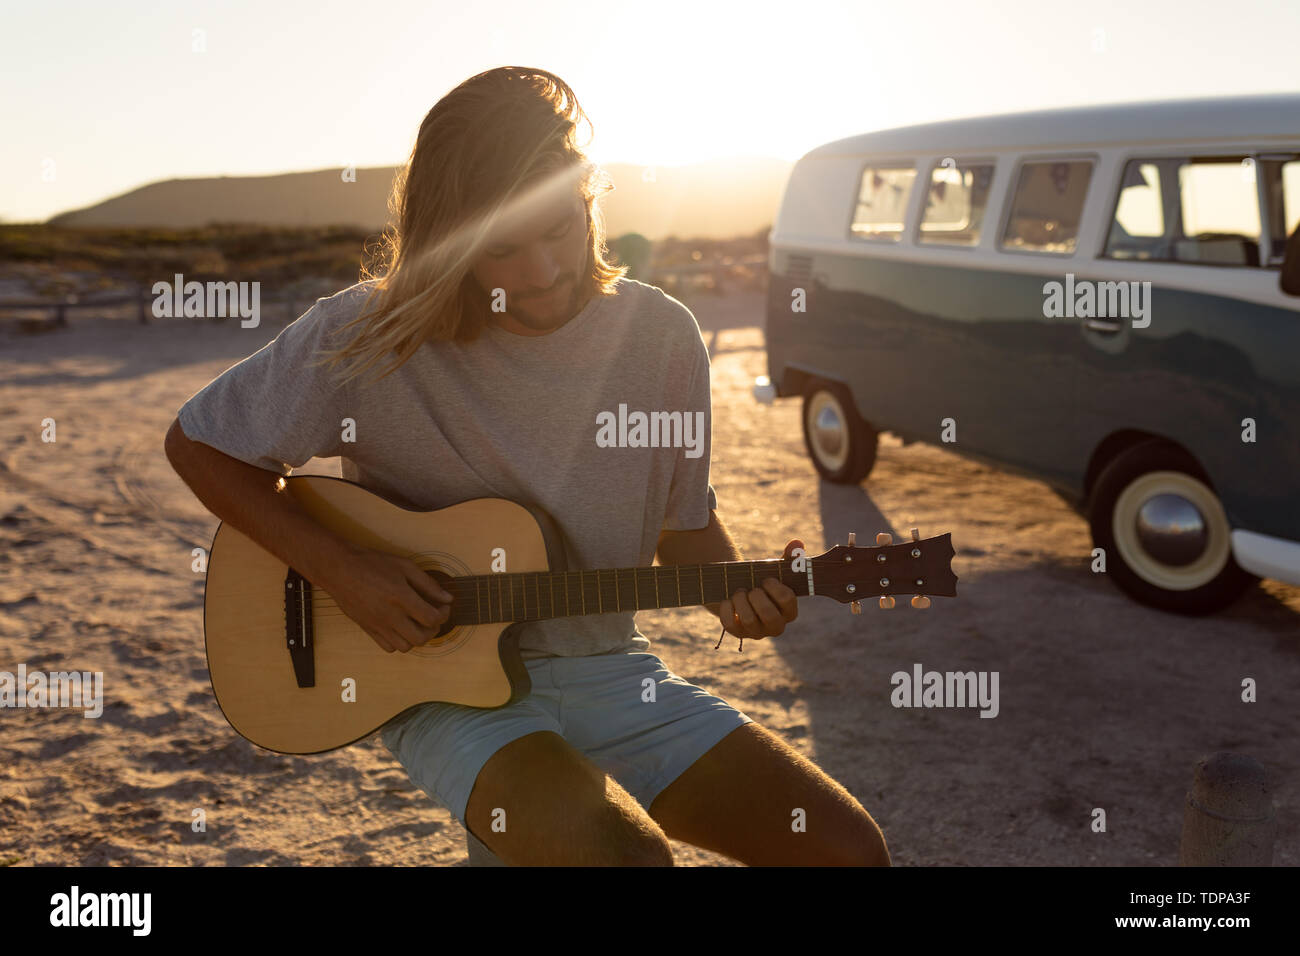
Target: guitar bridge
x,y
298,628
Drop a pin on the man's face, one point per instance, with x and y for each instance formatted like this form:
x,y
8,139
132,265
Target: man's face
x,y
539,257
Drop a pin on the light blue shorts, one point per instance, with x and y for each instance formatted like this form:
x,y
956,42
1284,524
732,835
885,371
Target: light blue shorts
x,y
596,703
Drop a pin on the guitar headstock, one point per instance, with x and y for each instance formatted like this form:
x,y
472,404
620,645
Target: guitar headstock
x,y
850,574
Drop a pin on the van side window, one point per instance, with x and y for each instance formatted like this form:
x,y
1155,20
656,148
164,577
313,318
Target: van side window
x,y
1281,176
1138,230
1046,207
882,202
1201,211
954,208
1219,212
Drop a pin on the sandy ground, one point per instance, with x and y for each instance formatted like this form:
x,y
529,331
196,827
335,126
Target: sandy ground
x,y
1103,703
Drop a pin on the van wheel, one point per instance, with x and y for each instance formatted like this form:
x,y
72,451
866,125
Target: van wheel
x,y
842,446
1165,534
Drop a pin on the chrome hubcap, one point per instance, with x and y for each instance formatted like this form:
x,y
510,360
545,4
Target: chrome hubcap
x,y
828,430
1172,530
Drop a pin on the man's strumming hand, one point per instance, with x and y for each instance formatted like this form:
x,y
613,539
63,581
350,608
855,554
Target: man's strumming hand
x,y
394,600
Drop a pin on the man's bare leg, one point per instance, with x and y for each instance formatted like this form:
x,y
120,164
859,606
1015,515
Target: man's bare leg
x,y
560,809
758,800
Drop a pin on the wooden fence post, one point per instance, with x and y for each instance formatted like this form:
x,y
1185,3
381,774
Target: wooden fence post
x,y
1228,820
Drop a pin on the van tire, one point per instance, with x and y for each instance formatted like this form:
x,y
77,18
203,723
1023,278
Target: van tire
x,y
846,453
1126,488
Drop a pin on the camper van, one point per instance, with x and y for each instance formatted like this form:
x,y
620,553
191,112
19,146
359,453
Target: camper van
x,y
1103,298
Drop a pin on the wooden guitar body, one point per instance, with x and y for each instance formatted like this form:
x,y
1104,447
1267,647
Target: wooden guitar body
x,y
252,671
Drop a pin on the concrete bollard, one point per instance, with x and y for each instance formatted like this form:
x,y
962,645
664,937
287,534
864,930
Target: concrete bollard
x,y
1229,818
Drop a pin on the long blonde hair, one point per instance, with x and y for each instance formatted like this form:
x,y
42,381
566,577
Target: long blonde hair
x,y
490,146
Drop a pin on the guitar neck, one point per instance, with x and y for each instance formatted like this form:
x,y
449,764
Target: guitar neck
x,y
541,595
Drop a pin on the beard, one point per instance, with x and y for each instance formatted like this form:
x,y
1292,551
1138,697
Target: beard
x,y
548,316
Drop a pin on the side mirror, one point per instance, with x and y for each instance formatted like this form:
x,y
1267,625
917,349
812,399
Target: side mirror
x,y
1289,281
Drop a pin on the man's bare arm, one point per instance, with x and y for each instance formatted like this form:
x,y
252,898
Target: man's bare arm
x,y
246,497
702,546
394,600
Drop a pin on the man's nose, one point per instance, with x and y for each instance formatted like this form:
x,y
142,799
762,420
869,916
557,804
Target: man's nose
x,y
540,271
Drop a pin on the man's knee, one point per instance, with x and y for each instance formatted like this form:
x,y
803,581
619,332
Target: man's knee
x,y
860,842
636,845
856,843
618,832
871,847
537,801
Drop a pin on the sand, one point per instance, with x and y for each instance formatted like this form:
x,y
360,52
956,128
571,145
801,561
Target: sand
x,y
1103,703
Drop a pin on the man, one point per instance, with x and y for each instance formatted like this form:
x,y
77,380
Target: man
x,y
507,335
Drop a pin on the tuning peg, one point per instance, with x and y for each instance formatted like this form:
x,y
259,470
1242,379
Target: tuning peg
x,y
920,602
884,537
886,602
916,534
856,607
853,539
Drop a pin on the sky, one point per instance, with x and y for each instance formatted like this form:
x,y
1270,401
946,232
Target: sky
x,y
98,98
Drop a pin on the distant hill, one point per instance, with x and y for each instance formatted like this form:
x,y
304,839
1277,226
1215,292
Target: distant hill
x,y
714,200
318,198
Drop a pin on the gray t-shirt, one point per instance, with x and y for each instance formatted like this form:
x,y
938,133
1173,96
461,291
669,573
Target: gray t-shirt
x,y
528,418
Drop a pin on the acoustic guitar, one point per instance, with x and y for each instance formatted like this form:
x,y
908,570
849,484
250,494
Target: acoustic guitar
x,y
294,674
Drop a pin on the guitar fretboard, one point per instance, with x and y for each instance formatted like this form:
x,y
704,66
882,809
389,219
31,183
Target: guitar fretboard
x,y
540,595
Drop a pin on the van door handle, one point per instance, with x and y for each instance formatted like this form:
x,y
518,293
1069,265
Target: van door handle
x,y
1103,325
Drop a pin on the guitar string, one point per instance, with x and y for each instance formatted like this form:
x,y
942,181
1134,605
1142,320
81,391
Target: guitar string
x,y
324,605
612,584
